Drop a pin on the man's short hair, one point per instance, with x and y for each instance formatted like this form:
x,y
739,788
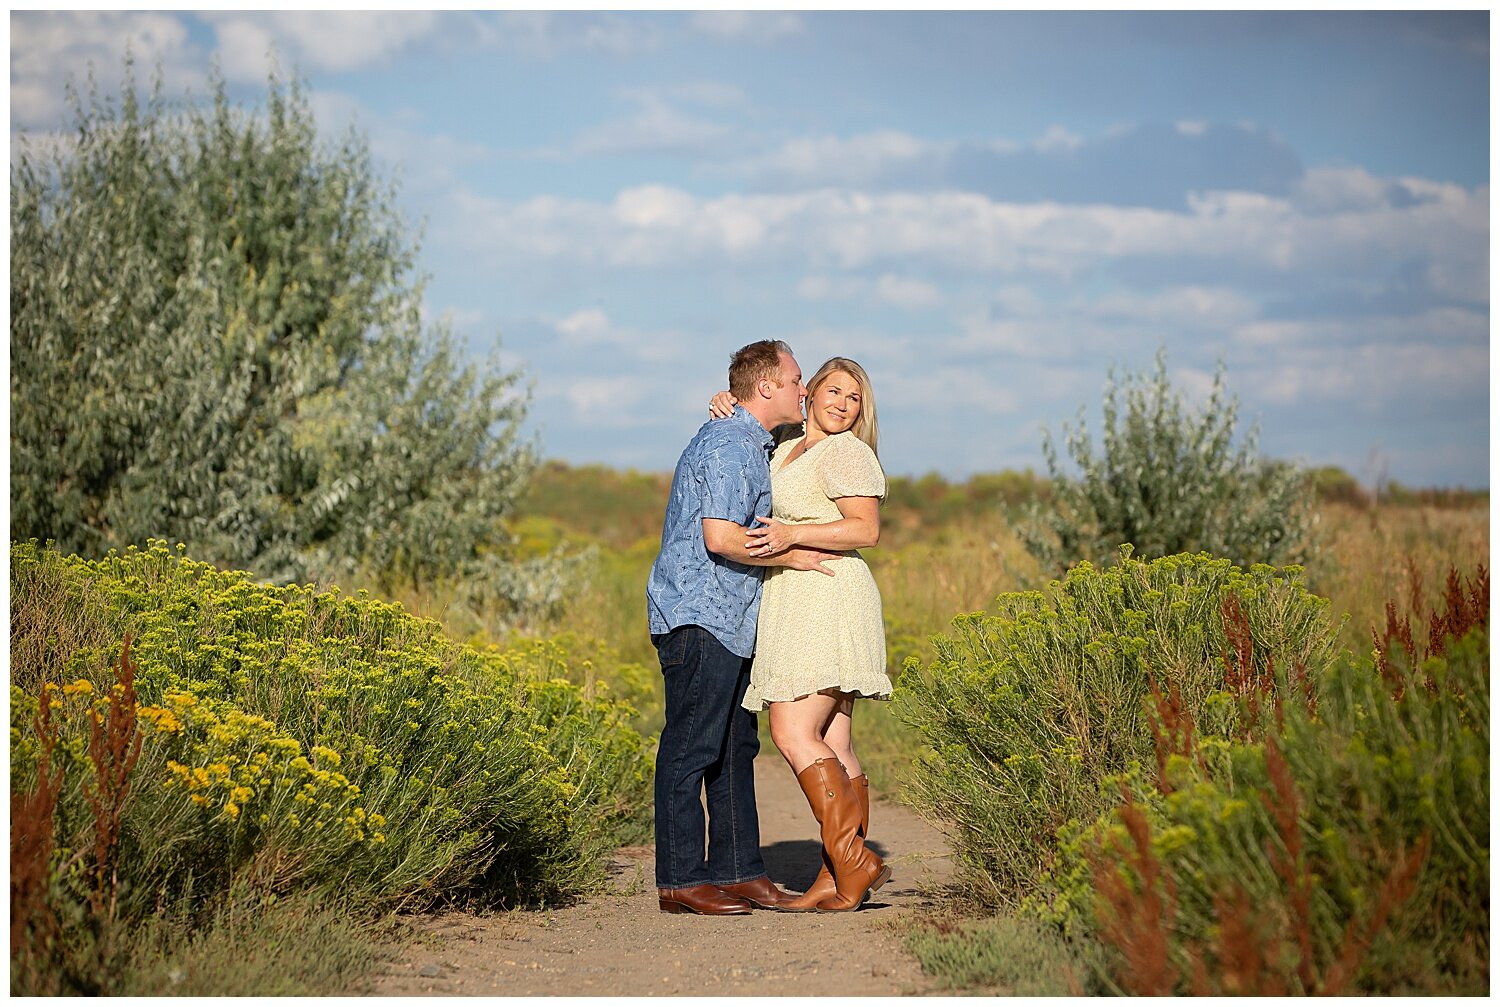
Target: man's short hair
x,y
751,363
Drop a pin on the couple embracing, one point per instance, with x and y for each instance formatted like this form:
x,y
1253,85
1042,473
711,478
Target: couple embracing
x,y
805,643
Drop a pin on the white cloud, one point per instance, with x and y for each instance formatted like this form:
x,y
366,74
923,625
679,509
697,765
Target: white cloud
x,y
655,127
707,93
1194,382
749,26
940,233
1366,377
850,161
585,325
903,292
592,331
1201,307
48,47
957,390
658,124
898,291
1453,327
829,288
595,397
314,41
1057,138
545,35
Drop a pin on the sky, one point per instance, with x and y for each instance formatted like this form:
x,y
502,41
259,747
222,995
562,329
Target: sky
x,y
989,210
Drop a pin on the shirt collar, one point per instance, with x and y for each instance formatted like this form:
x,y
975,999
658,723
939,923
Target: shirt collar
x,y
743,415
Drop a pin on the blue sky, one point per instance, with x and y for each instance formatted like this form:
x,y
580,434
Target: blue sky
x,y
987,210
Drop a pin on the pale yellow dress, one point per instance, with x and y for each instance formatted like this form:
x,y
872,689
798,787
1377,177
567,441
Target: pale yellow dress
x,y
818,632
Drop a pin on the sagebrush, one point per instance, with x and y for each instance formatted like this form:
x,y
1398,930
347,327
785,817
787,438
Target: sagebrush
x,y
297,741
1168,479
1026,712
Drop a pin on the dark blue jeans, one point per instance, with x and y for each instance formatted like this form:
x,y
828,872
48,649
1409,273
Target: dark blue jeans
x,y
709,742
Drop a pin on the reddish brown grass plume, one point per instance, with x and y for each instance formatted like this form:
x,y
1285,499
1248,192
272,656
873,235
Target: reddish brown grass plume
x,y
114,747
1466,606
34,931
1136,917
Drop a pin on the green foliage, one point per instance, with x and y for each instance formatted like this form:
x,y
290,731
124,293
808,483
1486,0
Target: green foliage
x,y
300,741
252,947
1333,485
1026,714
1379,762
1009,955
216,337
1166,482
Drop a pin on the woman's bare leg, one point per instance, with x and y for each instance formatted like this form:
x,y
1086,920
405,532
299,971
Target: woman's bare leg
x,y
797,728
839,735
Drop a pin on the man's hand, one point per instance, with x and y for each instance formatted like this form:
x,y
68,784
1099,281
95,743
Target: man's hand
x,y
798,558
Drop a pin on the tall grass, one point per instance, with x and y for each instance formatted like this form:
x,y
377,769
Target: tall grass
x,y
946,548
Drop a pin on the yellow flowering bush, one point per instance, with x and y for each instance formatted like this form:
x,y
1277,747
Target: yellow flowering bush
x,y
296,737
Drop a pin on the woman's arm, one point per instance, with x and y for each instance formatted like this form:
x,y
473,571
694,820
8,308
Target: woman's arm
x,y
727,539
721,405
859,528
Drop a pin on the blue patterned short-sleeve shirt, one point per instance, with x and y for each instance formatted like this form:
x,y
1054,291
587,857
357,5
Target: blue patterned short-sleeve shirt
x,y
723,473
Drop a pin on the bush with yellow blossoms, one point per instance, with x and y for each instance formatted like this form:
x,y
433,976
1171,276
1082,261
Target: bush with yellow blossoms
x,y
296,739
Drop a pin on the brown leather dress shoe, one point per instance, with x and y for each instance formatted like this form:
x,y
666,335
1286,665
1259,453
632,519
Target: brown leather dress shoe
x,y
703,900
761,893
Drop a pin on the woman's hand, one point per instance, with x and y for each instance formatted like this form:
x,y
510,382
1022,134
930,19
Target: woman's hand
x,y
775,537
721,405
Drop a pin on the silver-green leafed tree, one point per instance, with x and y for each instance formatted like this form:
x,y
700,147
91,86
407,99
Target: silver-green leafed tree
x,y
216,338
1168,479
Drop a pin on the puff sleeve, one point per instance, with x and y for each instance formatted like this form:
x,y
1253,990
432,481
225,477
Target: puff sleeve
x,y
850,469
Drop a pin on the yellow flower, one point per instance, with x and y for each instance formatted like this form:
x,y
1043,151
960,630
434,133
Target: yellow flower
x,y
232,810
82,686
327,754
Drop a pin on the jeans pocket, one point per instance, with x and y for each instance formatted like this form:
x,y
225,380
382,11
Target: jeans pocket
x,y
671,648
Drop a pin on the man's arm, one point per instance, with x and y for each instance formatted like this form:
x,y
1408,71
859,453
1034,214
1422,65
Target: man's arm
x,y
727,539
859,528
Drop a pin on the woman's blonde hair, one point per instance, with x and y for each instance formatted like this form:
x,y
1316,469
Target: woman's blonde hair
x,y
866,427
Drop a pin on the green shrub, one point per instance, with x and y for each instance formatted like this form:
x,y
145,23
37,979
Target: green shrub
x,y
1027,713
1166,482
1358,829
1006,954
217,335
299,741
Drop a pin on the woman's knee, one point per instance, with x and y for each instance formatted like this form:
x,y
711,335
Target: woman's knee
x,y
785,734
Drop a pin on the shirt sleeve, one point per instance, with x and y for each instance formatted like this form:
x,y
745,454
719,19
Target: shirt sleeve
x,y
727,489
850,469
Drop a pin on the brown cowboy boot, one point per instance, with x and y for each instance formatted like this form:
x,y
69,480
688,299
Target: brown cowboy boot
x,y
761,893
702,900
856,870
822,886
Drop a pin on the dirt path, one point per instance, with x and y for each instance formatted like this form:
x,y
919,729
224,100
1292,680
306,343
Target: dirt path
x,y
622,945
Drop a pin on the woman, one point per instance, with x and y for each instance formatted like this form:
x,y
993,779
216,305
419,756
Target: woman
x,y
820,641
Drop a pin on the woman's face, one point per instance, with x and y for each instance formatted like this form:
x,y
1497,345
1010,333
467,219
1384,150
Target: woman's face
x,y
834,405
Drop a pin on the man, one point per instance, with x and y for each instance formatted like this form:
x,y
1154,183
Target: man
x,y
702,599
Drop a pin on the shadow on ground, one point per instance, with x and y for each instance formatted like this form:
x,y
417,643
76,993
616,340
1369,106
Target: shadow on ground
x,y
794,863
